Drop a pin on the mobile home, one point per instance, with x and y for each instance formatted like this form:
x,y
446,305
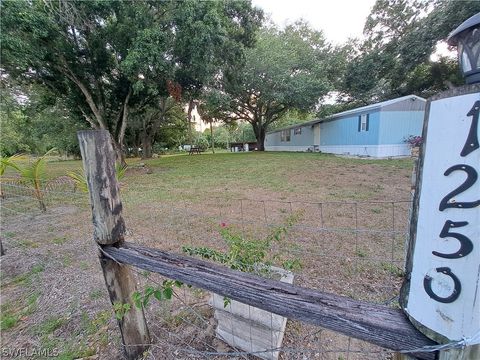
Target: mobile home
x,y
377,130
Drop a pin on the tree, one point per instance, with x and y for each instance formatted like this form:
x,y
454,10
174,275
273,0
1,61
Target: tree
x,y
394,60
210,110
147,122
109,57
222,136
285,70
240,132
30,124
209,118
75,49
172,133
211,38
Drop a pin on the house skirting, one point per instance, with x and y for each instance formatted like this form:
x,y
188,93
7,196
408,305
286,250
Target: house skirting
x,y
368,150
390,150
289,148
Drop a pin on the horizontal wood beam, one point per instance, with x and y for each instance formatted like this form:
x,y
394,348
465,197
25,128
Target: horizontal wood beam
x,y
376,324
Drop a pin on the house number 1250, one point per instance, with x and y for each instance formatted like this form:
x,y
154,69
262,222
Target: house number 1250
x,y
466,245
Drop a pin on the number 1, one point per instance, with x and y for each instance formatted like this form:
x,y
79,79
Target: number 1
x,y
472,139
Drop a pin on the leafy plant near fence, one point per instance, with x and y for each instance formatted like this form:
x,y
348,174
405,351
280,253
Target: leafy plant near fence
x,y
243,253
250,254
165,292
32,173
6,162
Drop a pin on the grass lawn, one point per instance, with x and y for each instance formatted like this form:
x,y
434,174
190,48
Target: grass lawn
x,y
349,239
257,175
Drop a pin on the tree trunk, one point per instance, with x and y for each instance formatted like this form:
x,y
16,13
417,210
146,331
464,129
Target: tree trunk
x,y
191,105
136,145
39,196
123,127
119,154
146,145
260,136
97,110
211,136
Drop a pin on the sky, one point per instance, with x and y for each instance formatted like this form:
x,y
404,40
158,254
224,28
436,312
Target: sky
x,y
339,19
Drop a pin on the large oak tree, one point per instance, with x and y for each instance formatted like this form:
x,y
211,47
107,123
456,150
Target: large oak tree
x,y
109,57
286,69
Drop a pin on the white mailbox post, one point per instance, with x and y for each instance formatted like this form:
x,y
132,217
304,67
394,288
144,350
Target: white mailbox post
x,y
441,295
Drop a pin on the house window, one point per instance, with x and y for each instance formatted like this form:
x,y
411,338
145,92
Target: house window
x,y
285,135
297,131
363,123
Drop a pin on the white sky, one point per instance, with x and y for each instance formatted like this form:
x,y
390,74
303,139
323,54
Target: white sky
x,y
339,19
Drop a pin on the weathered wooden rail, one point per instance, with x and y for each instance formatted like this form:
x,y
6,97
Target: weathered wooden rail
x,y
377,324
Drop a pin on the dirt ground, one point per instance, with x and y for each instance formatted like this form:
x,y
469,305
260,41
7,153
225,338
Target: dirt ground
x,y
349,239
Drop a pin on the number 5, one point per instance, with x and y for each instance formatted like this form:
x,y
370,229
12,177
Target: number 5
x,y
466,245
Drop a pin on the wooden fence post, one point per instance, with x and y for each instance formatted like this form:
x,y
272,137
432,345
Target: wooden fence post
x,y
109,228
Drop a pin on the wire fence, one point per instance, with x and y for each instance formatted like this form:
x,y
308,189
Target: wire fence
x,y
355,249
20,198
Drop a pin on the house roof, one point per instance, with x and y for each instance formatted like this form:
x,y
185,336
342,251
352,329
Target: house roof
x,y
353,111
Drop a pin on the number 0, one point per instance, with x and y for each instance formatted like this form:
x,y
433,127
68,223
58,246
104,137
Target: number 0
x,y
427,284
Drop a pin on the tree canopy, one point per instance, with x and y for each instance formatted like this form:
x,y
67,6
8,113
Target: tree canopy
x,y
394,60
285,70
131,66
107,57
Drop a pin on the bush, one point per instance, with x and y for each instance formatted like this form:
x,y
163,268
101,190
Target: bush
x,y
201,141
250,254
413,140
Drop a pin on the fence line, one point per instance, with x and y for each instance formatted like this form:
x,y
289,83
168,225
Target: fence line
x,y
379,325
313,236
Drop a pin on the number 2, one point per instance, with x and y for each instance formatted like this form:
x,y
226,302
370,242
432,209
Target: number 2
x,y
471,178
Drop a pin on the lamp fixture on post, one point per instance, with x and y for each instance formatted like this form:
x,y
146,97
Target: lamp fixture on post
x,y
467,39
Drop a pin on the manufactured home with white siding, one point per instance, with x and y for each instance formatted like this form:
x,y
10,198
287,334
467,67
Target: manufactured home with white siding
x,y
376,130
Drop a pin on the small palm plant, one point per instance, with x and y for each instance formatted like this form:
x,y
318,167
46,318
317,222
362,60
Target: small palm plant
x,y
34,174
6,162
